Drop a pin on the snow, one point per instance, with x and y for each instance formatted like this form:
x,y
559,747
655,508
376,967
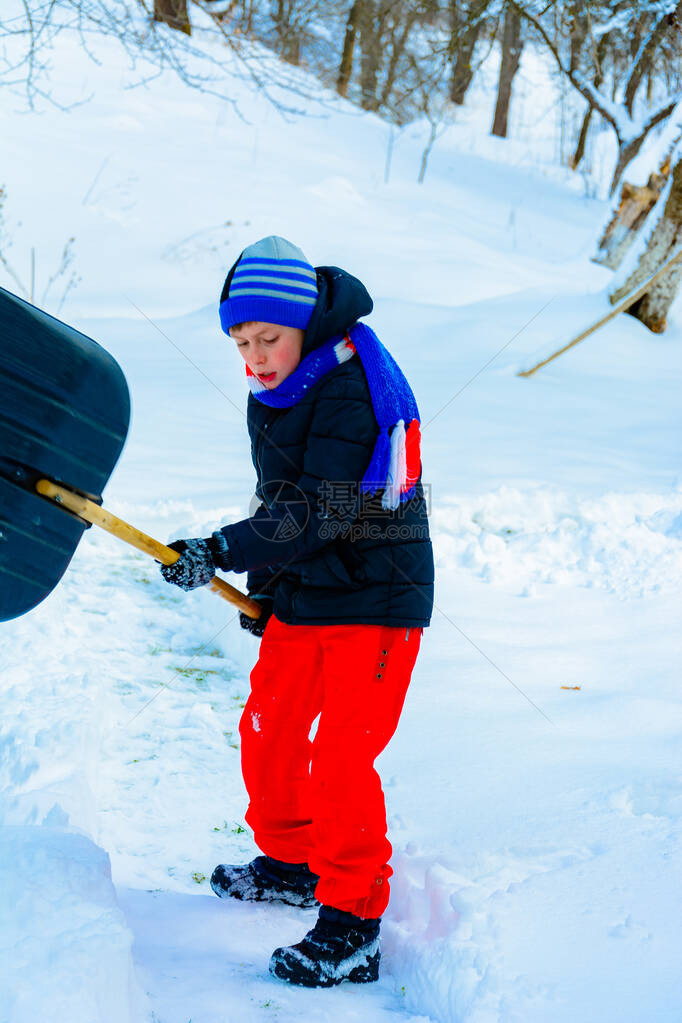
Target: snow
x,y
533,785
65,948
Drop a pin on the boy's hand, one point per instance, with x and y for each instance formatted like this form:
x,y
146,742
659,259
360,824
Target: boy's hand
x,y
198,560
256,626
195,567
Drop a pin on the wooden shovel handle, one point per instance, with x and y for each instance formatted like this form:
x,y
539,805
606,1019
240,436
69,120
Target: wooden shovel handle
x,y
92,512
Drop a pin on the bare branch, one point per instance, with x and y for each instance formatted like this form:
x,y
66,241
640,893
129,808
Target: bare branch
x,y
664,112
585,88
645,56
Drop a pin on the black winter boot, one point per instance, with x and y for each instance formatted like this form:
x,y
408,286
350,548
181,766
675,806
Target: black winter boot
x,y
339,947
266,880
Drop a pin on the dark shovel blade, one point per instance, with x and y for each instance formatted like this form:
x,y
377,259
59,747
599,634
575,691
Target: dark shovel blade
x,y
64,414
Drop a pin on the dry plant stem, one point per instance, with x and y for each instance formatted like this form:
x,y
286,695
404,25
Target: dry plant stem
x,y
620,308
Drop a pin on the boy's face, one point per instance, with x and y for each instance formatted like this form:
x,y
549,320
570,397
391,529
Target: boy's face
x,y
270,350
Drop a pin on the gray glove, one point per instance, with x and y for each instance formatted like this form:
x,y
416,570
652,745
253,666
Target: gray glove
x,y
198,561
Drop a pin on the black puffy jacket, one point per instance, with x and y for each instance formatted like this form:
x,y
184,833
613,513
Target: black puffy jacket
x,y
327,554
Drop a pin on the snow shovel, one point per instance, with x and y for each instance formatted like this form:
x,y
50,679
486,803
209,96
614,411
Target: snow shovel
x,y
64,417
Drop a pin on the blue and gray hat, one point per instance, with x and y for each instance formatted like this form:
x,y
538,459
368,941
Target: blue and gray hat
x,y
272,282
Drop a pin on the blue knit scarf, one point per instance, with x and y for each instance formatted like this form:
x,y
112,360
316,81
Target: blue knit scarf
x,y
395,464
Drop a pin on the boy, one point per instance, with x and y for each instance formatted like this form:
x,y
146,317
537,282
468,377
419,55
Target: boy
x,y
339,557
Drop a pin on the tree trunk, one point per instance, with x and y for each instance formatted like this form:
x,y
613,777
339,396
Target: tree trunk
x,y
509,65
665,239
626,153
465,28
576,159
599,56
370,53
398,44
247,18
287,34
346,65
173,13
635,205
646,42
292,49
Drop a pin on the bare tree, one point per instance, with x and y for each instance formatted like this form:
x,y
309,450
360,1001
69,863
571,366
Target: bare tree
x,y
384,29
509,65
292,20
630,129
349,40
371,14
150,44
398,34
581,144
467,21
582,37
140,26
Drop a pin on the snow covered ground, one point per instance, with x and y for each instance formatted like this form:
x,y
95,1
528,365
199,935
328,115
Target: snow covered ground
x,y
534,785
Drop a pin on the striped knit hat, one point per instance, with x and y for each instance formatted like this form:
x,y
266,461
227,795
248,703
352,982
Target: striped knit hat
x,y
271,282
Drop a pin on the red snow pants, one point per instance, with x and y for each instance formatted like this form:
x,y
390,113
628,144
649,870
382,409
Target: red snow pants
x,y
320,802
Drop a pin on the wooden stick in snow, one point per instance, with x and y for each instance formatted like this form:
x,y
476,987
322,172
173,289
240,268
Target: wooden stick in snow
x,y
624,304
